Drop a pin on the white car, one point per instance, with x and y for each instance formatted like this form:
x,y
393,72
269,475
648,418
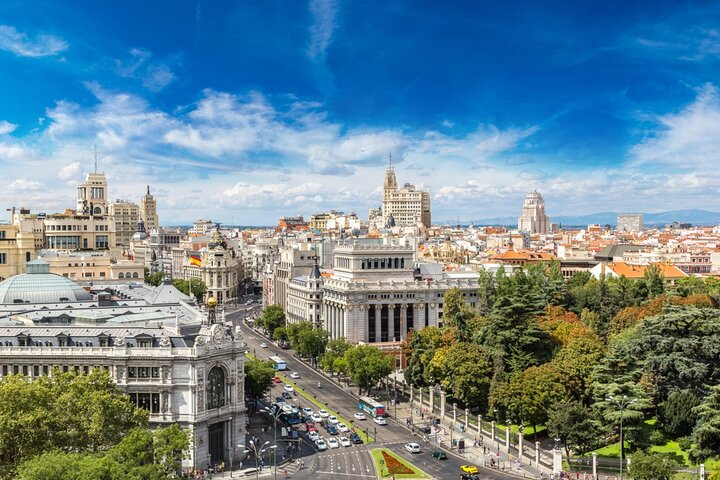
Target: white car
x,y
313,436
316,417
380,420
359,416
345,442
412,447
263,345
333,443
320,444
343,428
288,388
323,413
307,411
333,420
295,375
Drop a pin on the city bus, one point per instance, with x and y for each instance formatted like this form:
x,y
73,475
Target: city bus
x,y
368,405
278,363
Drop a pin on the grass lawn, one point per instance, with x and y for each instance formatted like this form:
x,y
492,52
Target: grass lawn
x,y
381,467
319,404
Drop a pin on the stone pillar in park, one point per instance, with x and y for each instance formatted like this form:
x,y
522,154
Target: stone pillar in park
x,y
467,419
454,412
520,445
492,432
594,466
480,425
557,461
537,454
411,396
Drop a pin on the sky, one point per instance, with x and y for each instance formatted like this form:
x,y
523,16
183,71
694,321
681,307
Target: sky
x,y
243,112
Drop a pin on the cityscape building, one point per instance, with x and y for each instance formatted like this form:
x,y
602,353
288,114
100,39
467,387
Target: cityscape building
x,y
148,211
126,215
629,222
533,219
403,206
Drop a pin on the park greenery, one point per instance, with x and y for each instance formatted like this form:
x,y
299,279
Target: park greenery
x,y
540,350
72,426
191,287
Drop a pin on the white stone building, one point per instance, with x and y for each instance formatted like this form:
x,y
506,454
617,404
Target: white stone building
x,y
533,218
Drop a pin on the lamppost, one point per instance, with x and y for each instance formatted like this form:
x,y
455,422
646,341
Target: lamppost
x,y
275,416
622,403
258,452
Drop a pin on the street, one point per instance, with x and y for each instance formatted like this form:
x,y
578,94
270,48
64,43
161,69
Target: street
x,y
352,461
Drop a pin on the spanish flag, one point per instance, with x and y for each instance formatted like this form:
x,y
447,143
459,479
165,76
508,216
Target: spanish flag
x,y
195,260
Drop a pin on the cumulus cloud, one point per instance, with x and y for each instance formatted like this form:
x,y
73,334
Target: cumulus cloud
x,y
689,138
23,185
21,44
6,127
322,26
70,171
153,74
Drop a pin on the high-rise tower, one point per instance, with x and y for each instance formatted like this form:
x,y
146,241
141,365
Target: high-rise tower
x,y
533,218
92,195
404,206
148,211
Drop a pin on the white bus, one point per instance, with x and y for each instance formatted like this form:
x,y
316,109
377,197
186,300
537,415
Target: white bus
x,y
278,363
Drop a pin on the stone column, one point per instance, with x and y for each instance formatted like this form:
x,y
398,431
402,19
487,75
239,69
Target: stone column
x,y
467,419
365,314
702,470
492,431
594,465
391,322
378,323
520,445
480,424
403,321
537,456
454,412
419,319
557,461
442,404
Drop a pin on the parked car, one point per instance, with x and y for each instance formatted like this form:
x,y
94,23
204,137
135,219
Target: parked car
x,y
412,447
331,429
286,395
313,436
355,438
343,428
307,411
310,427
333,420
277,380
316,417
439,454
320,444
380,420
333,443
359,416
345,441
323,413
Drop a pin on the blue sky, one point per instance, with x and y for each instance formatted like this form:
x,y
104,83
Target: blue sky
x,y
246,111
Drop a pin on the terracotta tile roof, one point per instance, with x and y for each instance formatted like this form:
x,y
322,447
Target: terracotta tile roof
x,y
638,271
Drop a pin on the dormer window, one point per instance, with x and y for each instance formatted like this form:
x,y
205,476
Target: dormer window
x,y
63,340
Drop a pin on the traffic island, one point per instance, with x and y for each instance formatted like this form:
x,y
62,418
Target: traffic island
x,y
390,465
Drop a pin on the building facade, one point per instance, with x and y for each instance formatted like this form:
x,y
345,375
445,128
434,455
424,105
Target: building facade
x,y
126,215
629,222
533,218
406,206
148,211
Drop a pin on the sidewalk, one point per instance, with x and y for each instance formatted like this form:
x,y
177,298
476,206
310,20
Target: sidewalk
x,y
494,456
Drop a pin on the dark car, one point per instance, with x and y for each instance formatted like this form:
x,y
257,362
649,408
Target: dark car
x,y
286,395
439,454
355,438
331,429
467,476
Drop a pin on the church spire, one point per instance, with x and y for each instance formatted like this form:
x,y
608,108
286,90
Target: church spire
x,y
390,180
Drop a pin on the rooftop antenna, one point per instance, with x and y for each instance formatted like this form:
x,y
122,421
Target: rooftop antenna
x,y
390,160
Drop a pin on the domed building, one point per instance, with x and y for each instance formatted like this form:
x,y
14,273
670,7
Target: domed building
x,y
38,285
216,266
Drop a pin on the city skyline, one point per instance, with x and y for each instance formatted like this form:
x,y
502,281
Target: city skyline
x,y
243,113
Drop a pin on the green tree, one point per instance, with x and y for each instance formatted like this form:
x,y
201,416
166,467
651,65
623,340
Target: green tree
x,y
193,287
66,411
419,348
312,343
154,279
530,395
366,366
706,435
259,376
334,351
678,416
487,283
607,397
272,317
654,280
572,423
280,334
651,466
295,329
465,371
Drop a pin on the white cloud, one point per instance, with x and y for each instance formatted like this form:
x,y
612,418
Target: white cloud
x,y
12,151
22,45
323,13
6,127
70,171
686,139
23,185
154,75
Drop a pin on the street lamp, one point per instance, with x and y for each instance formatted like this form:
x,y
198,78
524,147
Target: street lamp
x,y
275,416
622,403
258,452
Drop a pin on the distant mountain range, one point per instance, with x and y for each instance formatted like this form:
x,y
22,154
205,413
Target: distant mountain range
x,y
693,216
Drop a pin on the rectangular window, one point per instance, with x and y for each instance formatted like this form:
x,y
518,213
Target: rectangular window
x,y
132,372
3,258
2,234
46,370
5,370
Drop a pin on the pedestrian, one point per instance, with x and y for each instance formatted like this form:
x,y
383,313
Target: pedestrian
x,y
285,472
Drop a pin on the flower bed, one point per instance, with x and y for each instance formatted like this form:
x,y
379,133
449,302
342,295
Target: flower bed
x,y
394,466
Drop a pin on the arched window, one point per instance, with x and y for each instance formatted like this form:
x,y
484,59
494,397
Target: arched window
x,y
121,275
135,275
215,392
